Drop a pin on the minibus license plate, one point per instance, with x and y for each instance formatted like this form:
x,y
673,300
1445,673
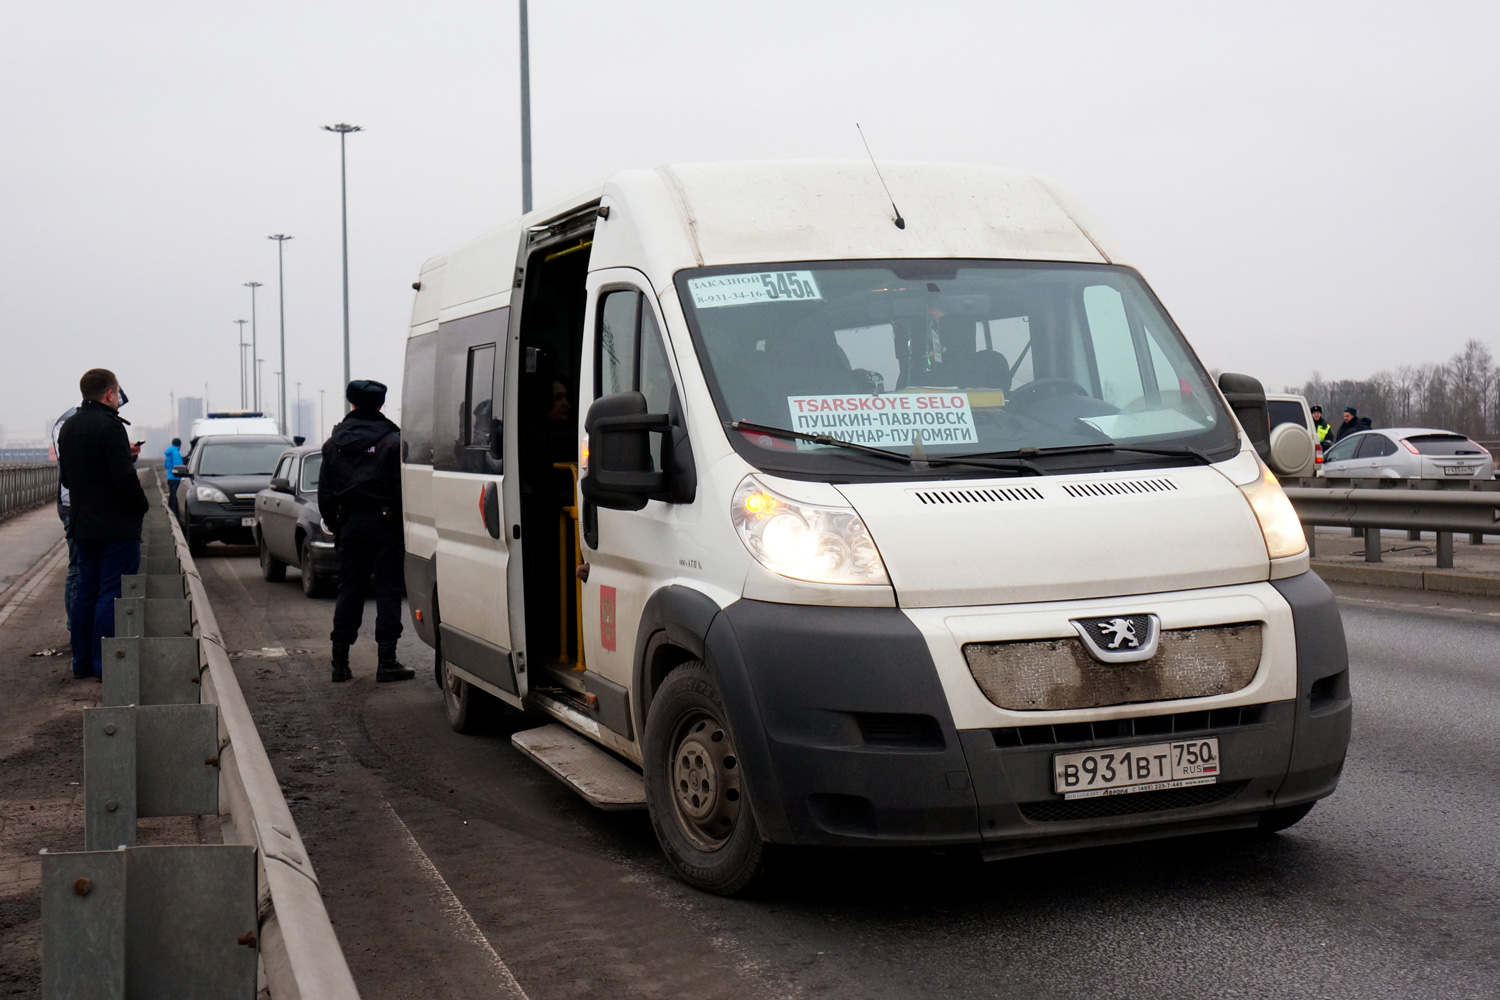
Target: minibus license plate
x,y
1122,770
247,522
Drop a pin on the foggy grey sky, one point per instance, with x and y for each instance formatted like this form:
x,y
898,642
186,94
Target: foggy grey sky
x,y
1305,186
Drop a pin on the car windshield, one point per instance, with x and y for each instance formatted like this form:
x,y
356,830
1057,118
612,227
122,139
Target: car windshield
x,y
1444,444
311,466
250,458
965,358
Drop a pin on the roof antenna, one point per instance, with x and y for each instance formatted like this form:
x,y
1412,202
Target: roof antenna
x,y
900,222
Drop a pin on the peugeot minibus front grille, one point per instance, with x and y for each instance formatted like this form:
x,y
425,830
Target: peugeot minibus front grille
x,y
1050,675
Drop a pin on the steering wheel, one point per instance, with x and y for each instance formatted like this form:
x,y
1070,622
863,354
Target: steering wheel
x,y
1048,387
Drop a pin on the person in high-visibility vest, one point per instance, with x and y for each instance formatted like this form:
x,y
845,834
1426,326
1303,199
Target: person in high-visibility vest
x,y
1321,426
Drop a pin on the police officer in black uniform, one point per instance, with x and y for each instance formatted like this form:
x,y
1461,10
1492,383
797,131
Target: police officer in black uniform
x,y
359,496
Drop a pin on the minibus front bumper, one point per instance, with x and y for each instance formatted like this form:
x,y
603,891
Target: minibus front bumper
x,y
846,738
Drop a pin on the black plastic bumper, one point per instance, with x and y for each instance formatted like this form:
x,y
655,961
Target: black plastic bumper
x,y
846,739
216,524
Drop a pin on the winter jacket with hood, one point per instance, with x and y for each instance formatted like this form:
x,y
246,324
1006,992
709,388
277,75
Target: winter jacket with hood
x,y
361,467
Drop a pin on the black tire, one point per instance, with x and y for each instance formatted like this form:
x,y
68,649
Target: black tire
x,y
313,585
695,791
1276,820
196,545
469,709
272,570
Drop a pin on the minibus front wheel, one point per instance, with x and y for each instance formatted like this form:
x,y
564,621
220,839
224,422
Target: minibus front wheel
x,y
695,789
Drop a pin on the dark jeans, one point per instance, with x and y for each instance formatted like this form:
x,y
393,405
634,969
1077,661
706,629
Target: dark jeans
x,y
369,542
172,494
70,587
100,566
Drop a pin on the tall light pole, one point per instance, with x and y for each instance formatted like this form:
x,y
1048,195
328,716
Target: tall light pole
x,y
322,434
281,239
525,115
343,130
254,350
258,363
299,410
241,352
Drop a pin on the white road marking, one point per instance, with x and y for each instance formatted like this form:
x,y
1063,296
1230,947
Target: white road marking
x,y
466,927
59,554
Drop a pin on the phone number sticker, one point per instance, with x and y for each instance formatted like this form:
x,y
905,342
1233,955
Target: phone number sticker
x,y
748,289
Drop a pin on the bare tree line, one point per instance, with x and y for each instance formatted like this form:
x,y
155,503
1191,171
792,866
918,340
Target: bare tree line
x,y
1461,394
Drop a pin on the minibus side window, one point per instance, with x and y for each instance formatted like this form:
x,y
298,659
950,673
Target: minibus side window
x,y
481,396
617,340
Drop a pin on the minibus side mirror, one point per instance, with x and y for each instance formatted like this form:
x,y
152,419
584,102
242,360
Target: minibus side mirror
x,y
1247,398
620,474
179,471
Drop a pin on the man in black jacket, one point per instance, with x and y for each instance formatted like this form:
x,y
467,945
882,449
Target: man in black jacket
x,y
359,496
96,462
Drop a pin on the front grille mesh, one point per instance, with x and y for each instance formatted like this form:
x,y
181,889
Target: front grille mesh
x,y
1063,810
1174,724
1059,674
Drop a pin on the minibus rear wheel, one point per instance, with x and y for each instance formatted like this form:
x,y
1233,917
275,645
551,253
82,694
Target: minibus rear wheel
x,y
469,709
695,790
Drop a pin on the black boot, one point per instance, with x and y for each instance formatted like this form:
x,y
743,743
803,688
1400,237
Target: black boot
x,y
341,671
388,668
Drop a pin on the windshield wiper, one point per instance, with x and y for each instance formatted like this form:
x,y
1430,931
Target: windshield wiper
x,y
1110,446
999,465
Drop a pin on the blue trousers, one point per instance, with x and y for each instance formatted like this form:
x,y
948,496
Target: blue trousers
x,y
70,586
100,566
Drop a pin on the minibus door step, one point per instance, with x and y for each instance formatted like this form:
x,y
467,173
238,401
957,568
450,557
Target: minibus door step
x,y
578,762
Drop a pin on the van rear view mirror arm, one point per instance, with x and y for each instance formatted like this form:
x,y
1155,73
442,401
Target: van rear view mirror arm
x,y
620,473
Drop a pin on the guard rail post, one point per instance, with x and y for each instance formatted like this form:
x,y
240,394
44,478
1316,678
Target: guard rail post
x,y
174,737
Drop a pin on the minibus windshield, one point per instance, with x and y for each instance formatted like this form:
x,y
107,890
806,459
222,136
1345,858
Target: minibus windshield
x,y
946,359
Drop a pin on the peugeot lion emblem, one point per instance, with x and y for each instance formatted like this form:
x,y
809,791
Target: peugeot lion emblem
x,y
1120,638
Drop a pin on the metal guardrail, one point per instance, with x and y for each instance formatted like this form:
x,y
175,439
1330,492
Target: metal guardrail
x,y
174,736
1475,512
23,486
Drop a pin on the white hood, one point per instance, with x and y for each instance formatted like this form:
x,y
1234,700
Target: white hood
x,y
971,542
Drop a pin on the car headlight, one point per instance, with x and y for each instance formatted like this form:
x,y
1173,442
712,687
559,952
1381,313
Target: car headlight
x,y
208,494
1278,519
803,541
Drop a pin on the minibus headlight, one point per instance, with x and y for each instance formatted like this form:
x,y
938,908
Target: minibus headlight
x,y
803,541
1278,519
207,494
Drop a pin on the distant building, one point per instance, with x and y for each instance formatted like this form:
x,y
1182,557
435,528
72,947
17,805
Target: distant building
x,y
189,408
304,420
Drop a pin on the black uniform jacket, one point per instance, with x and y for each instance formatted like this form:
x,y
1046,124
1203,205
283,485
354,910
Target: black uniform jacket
x,y
361,467
94,463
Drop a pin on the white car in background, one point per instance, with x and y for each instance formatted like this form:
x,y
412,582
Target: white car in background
x,y
1295,450
1408,453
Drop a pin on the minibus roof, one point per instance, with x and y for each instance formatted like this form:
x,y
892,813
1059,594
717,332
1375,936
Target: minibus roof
x,y
702,214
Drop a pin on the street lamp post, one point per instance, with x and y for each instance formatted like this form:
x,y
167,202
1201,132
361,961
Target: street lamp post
x,y
281,295
322,433
299,410
242,323
254,349
343,130
525,114
258,363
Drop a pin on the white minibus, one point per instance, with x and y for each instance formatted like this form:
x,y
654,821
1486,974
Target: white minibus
x,y
797,521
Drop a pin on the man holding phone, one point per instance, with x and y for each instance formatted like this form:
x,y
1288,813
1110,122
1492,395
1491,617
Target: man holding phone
x,y
96,462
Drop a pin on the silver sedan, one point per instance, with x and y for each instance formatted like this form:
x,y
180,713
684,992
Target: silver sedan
x,y
1408,453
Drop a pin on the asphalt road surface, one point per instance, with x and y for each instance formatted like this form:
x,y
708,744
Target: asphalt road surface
x,y
452,867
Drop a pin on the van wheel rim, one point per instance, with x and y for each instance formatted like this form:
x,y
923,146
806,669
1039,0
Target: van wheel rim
x,y
452,688
704,774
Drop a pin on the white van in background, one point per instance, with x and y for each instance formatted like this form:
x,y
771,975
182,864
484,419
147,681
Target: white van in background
x,y
798,523
233,422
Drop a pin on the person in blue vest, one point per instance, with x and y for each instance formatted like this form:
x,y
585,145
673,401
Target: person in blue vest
x,y
174,459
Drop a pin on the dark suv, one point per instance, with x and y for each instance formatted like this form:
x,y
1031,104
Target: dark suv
x,y
216,501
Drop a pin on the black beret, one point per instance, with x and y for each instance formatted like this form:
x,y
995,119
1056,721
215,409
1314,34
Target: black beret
x,y
365,392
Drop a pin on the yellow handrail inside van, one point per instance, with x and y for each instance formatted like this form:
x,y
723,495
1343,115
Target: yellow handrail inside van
x,y
582,245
